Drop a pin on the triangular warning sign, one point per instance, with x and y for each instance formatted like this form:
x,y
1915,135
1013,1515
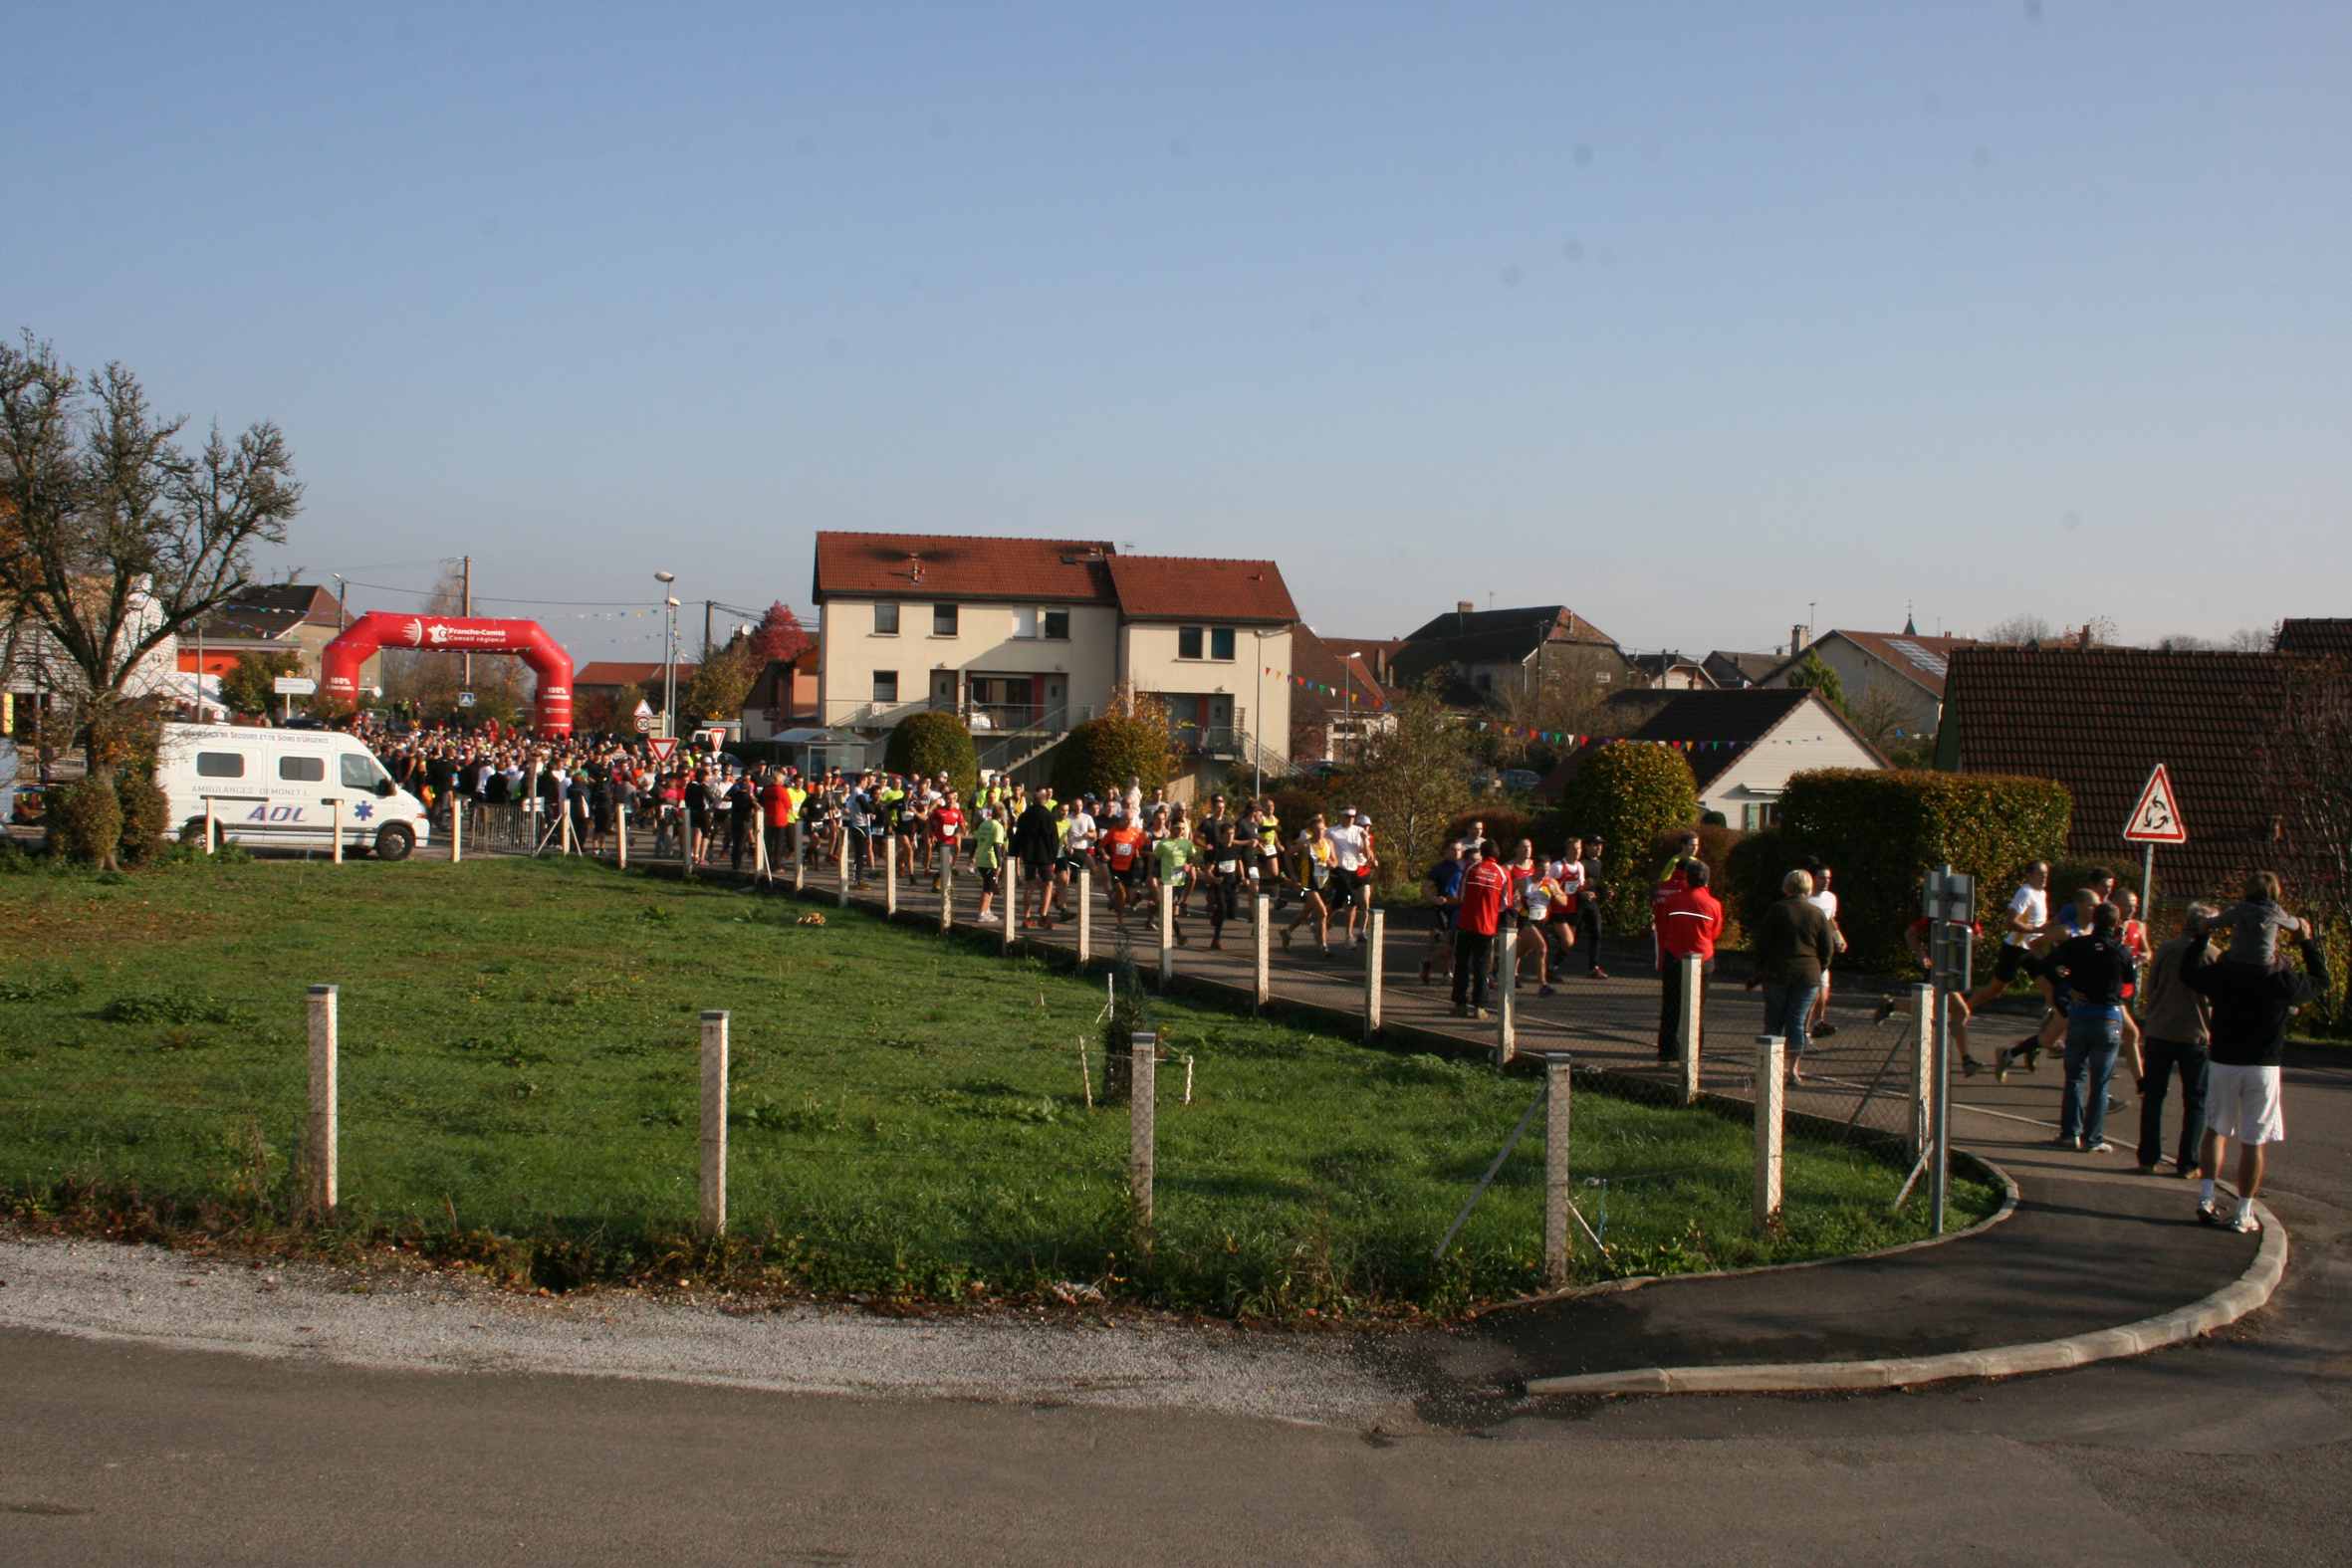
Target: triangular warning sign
x,y
2157,818
664,746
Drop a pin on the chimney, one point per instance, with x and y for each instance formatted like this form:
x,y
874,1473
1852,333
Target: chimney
x,y
1797,641
1465,608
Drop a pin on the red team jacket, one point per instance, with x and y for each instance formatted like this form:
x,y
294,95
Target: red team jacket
x,y
1484,888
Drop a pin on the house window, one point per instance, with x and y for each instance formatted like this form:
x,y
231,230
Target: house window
x,y
1221,642
1056,625
885,686
301,769
943,620
1758,814
885,620
220,765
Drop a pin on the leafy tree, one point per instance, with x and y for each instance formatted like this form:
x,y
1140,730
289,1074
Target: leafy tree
x,y
1812,674
118,538
1414,779
931,743
720,683
778,636
250,686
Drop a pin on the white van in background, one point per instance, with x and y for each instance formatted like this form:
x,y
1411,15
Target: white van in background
x,y
277,788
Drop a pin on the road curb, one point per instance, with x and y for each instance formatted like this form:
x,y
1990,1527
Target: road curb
x,y
2224,1307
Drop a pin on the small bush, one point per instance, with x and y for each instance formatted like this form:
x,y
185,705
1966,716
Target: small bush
x,y
146,817
1630,794
85,821
1102,755
931,743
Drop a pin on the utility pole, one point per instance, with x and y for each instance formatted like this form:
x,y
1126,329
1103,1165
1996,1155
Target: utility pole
x,y
706,630
465,601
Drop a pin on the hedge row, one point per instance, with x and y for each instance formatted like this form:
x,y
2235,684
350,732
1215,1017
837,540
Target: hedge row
x,y
1632,796
1881,833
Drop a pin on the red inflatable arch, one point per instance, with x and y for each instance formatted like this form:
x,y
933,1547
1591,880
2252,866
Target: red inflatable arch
x,y
339,666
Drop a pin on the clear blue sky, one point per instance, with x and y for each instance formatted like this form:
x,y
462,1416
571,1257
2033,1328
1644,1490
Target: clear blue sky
x,y
1685,315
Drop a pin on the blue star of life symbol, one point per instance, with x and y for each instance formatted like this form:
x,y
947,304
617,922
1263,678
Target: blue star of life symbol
x,y
363,811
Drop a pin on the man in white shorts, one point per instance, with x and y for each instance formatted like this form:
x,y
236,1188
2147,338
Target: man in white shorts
x,y
2253,1005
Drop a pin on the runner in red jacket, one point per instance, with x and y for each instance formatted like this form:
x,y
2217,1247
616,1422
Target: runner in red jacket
x,y
1689,920
1485,887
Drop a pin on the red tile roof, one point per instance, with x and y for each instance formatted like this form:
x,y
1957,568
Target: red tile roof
x,y
1922,660
617,673
1190,587
952,567
2099,720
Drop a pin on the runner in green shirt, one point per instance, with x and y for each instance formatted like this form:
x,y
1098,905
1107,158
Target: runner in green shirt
x,y
1169,858
988,856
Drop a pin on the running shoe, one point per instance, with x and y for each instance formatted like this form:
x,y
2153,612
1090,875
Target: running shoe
x,y
1596,972
1886,1010
1823,1033
2101,1147
1970,1066
1543,991
2207,1213
2243,1224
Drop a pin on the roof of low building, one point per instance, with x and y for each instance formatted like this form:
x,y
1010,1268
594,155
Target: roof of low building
x,y
1739,669
1325,663
1658,665
267,611
1717,728
1529,623
1200,587
2327,638
1922,660
950,567
2099,720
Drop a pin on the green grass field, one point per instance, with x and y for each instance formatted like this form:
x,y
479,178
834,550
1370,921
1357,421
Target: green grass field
x,y
519,1083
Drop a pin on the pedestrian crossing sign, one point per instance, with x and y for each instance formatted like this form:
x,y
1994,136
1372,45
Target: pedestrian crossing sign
x,y
2157,818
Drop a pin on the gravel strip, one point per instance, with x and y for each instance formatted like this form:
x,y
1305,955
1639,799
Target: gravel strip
x,y
443,1322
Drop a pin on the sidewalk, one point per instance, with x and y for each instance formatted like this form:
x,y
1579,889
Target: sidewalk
x,y
2091,1248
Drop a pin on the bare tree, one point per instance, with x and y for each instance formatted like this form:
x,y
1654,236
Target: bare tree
x,y
2020,628
115,538
2310,762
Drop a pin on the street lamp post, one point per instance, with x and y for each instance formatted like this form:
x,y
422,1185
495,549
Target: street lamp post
x,y
669,657
1348,673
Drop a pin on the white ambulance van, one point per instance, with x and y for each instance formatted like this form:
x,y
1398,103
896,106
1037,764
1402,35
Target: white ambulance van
x,y
278,787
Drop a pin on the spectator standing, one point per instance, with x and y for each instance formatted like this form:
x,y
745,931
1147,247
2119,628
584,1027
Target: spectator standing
x,y
2094,971
1792,947
1690,922
1590,854
1485,888
2252,1007
2176,1024
1037,843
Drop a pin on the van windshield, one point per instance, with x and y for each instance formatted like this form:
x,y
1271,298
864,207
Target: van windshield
x,y
362,772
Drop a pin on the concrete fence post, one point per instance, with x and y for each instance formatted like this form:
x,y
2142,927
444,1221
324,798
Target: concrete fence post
x,y
947,899
1690,1023
1505,1014
1923,1070
799,861
761,870
322,1131
620,834
1167,933
563,826
841,870
891,876
1143,1075
338,804
1260,958
1008,912
1085,914
1557,1089
1770,1100
211,827
457,831
1375,960
714,1122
